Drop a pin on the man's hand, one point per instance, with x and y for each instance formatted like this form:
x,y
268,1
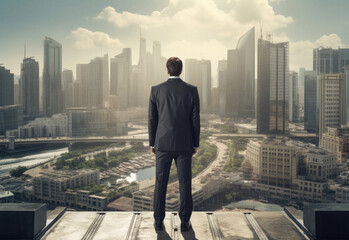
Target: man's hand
x,y
152,149
195,150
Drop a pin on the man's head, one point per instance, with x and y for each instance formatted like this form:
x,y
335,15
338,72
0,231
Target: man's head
x,y
174,66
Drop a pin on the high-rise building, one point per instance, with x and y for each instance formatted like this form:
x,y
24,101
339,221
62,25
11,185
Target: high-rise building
x,y
52,77
293,102
67,78
77,94
301,92
97,79
121,78
240,97
81,77
345,103
198,73
336,140
6,87
11,117
272,87
222,86
331,94
310,101
29,87
328,60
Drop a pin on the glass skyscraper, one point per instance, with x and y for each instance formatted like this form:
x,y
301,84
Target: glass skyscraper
x,y
241,76
310,88
29,87
52,77
272,87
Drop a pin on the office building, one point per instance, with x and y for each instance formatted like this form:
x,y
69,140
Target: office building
x,y
240,96
6,87
301,75
336,140
331,95
222,86
121,79
198,73
293,102
328,60
57,188
310,101
68,90
84,122
52,77
272,87
97,81
77,94
54,126
289,170
29,87
11,117
82,78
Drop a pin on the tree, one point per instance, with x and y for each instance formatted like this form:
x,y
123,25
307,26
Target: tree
x,y
18,171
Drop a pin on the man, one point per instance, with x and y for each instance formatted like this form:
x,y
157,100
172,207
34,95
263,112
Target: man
x,y
174,131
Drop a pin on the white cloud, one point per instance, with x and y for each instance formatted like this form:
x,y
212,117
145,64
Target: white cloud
x,y
199,28
86,39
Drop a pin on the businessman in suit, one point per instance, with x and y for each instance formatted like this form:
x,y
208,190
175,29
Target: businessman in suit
x,y
174,131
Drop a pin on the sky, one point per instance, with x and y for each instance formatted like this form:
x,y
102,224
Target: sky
x,y
202,29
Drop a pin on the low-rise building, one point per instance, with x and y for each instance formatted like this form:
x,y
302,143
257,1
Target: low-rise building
x,y
58,188
336,140
6,196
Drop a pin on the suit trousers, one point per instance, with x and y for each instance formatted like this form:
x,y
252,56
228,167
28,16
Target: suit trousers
x,y
183,160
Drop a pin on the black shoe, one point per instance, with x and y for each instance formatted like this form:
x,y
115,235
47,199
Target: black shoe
x,y
158,226
185,226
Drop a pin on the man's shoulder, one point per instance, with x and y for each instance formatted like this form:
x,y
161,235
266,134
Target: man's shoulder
x,y
165,84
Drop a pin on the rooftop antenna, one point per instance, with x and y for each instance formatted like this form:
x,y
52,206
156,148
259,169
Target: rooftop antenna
x,y
25,50
261,29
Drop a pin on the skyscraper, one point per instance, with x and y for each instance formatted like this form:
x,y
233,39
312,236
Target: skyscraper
x,y
272,87
310,101
241,76
68,90
293,102
29,87
331,95
6,87
198,73
81,77
121,78
97,79
222,86
301,92
328,60
52,77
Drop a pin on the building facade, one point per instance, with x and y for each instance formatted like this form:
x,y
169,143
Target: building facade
x,y
293,102
29,87
11,117
272,87
310,101
6,87
52,77
331,94
240,80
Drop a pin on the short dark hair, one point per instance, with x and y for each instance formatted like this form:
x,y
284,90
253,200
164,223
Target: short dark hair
x,y
174,66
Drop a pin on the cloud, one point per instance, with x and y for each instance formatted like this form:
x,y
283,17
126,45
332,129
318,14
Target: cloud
x,y
186,26
86,39
193,18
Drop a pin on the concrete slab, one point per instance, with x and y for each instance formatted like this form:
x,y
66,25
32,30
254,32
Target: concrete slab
x,y
234,226
277,226
73,225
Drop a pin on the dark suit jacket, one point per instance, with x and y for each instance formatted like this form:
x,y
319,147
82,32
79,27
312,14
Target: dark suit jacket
x,y
174,116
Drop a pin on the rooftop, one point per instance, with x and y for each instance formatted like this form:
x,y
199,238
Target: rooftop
x,y
206,225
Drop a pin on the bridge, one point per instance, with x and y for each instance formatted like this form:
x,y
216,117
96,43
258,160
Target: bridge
x,y
134,138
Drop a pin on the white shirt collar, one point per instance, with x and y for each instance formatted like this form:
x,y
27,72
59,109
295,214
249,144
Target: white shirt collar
x,y
173,77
